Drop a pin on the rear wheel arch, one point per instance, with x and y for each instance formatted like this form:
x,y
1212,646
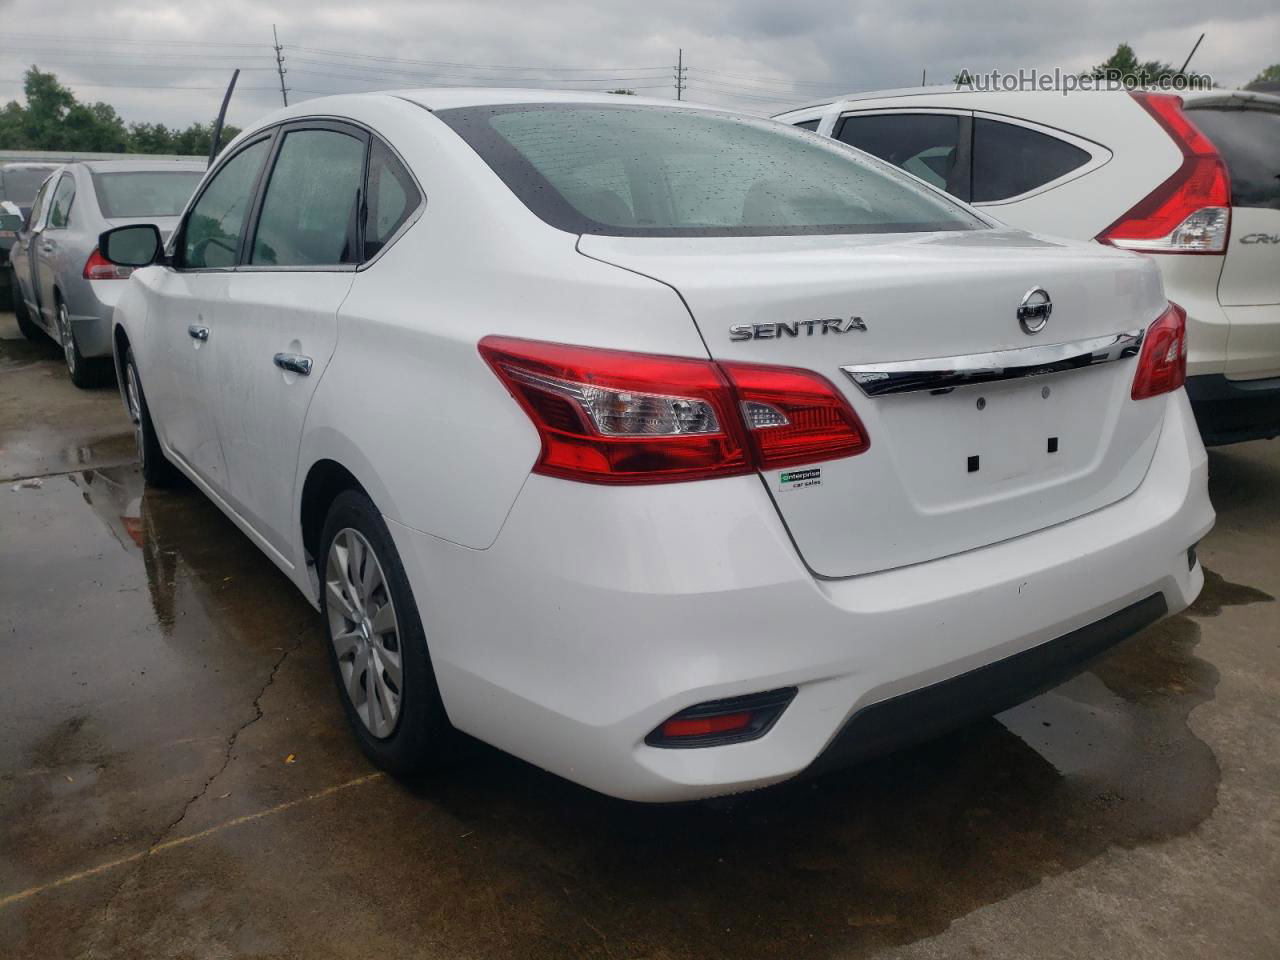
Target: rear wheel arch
x,y
326,480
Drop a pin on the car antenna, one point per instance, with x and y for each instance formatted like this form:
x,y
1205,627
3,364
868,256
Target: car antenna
x,y
222,115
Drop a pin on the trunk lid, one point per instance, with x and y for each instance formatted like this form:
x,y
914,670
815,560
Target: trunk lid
x,y
1048,447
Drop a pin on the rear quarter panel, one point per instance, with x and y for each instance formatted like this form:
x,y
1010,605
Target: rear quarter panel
x,y
407,404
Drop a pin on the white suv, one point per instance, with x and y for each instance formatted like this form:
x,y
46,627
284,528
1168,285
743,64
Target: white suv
x,y
1192,180
672,450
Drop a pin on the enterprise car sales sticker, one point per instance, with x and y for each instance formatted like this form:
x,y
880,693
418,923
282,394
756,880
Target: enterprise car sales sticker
x,y
795,479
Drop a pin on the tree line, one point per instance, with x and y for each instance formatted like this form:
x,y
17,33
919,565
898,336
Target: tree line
x,y
54,119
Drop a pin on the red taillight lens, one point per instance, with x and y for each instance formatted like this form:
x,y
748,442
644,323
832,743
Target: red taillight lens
x,y
98,267
609,416
1191,211
794,416
1162,365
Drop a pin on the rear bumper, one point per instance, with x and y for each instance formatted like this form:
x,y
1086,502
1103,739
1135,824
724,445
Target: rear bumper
x,y
599,612
925,713
1230,411
91,304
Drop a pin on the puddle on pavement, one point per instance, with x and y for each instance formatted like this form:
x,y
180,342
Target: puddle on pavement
x,y
882,854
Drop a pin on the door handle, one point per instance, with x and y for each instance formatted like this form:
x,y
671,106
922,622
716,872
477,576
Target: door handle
x,y
197,332
48,247
294,363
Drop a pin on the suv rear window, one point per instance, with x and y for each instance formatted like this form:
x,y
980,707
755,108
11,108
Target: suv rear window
x,y
1249,141
658,171
159,193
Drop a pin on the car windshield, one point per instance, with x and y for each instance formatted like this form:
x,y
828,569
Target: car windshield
x,y
19,184
657,171
148,193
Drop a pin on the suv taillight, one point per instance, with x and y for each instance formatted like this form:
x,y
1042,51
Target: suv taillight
x,y
98,267
1191,211
1162,365
609,416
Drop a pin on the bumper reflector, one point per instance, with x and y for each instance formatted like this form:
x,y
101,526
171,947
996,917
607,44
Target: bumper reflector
x,y
719,722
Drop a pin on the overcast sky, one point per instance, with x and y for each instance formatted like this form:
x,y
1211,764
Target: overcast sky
x,y
169,62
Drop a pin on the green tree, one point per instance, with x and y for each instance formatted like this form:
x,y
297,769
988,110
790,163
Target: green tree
x,y
1270,75
53,119
622,92
1124,66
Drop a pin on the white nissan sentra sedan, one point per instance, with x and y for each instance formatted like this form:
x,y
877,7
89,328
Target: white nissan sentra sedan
x,y
674,451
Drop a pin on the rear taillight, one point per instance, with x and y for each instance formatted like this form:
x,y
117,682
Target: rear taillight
x,y
1162,365
794,416
1191,211
98,267
609,416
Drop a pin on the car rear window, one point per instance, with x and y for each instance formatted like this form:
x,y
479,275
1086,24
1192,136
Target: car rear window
x,y
1249,141
160,193
657,171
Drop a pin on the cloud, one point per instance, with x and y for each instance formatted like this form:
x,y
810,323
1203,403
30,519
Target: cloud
x,y
169,62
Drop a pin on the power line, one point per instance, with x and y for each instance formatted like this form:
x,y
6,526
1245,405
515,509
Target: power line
x,y
154,43
783,80
469,66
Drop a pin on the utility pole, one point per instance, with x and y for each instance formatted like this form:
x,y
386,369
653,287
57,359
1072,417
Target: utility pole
x,y
284,94
924,77
681,70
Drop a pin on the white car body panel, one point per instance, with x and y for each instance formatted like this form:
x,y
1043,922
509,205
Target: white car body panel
x,y
567,620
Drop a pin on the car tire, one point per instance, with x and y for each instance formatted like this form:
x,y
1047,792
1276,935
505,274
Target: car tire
x,y
375,658
85,372
157,470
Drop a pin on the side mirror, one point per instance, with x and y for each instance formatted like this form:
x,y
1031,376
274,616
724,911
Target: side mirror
x,y
137,245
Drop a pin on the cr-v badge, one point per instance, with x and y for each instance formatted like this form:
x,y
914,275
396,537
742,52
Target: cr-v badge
x,y
796,328
1033,312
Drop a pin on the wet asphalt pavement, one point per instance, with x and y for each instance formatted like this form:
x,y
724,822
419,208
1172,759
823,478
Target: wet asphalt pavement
x,y
176,779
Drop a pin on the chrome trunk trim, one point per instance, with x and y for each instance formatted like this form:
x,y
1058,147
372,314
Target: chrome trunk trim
x,y
947,373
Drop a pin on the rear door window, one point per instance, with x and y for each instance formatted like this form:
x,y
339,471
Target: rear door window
x,y
212,236
60,207
1249,141
1010,160
929,145
393,197
309,208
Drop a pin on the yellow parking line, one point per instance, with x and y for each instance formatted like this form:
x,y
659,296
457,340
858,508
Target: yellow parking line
x,y
183,841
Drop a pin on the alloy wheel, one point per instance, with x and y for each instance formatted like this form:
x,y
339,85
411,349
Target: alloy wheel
x,y
366,638
133,397
64,334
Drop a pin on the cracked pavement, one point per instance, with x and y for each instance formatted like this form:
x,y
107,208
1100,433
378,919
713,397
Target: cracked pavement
x,y
159,673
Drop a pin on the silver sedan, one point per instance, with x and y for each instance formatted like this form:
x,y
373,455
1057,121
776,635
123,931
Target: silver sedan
x,y
62,285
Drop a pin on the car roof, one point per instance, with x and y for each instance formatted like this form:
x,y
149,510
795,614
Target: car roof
x,y
142,165
1189,96
447,98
